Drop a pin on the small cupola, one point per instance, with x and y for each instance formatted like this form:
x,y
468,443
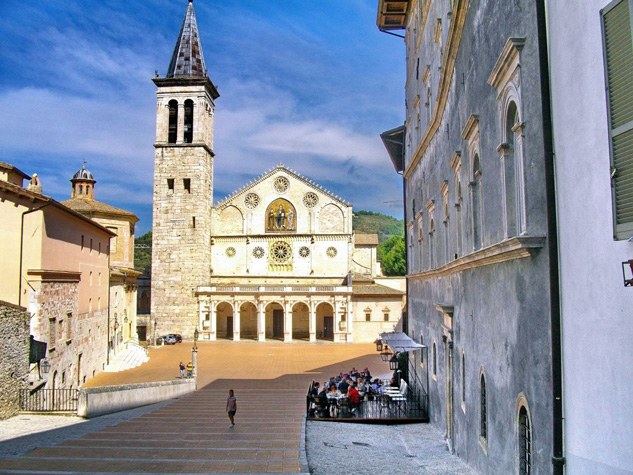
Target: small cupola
x,y
83,184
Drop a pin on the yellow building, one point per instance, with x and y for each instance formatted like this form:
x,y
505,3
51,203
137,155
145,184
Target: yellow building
x,y
123,277
55,264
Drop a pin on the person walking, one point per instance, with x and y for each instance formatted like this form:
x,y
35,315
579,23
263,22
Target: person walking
x,y
189,370
231,407
182,370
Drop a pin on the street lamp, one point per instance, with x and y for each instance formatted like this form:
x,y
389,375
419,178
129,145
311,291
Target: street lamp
x,y
393,362
627,273
196,334
385,353
45,365
378,344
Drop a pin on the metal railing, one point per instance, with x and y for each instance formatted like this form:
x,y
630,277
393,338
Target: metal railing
x,y
48,400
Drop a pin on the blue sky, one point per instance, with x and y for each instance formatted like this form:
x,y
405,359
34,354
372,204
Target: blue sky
x,y
307,83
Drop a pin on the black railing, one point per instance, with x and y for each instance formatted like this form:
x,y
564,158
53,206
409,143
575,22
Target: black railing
x,y
417,389
48,400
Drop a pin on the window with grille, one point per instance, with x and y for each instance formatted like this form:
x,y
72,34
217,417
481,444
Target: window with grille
x,y
525,442
463,379
618,61
434,360
483,421
52,335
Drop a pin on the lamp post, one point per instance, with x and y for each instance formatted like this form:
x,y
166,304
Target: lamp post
x,y
393,362
194,356
155,325
378,344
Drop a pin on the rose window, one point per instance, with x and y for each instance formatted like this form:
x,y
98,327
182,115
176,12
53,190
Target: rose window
x,y
304,251
280,252
230,251
258,252
281,184
251,200
310,199
331,251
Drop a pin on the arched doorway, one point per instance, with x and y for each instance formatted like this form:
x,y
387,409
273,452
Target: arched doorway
x,y
275,321
325,321
224,312
300,322
248,321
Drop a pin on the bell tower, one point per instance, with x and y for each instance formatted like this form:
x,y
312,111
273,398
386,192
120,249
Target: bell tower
x,y
183,184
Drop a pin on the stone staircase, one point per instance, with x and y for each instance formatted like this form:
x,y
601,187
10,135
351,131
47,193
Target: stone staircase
x,y
131,356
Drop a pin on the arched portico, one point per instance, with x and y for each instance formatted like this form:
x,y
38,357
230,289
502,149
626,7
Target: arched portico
x,y
325,321
275,316
248,321
225,320
300,321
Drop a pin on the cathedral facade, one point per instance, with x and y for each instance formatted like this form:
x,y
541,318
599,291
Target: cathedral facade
x,y
278,259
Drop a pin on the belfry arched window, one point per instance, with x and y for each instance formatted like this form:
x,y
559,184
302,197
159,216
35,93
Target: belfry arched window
x,y
173,121
188,136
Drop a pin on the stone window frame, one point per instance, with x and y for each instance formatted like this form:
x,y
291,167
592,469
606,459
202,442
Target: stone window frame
x,y
430,207
456,165
506,79
483,411
470,133
52,335
367,314
446,221
520,450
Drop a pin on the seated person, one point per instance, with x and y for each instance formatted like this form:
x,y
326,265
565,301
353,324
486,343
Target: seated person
x,y
322,402
353,396
343,386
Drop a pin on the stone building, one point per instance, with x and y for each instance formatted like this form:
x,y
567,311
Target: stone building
x,y
123,276
14,356
55,264
472,156
277,259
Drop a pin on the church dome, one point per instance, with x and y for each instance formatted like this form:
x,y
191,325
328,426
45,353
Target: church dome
x,y
83,174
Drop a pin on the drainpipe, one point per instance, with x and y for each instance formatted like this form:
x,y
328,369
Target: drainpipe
x,y
558,459
405,315
22,248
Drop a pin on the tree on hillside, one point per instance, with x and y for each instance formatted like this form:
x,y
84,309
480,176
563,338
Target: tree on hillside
x,y
393,256
143,254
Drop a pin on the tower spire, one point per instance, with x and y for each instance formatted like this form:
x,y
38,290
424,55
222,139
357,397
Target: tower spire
x,y
187,61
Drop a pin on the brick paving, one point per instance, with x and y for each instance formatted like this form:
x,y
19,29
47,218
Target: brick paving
x,y
191,434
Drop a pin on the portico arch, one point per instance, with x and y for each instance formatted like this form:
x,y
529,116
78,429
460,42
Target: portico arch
x,y
224,312
325,321
248,321
275,316
300,321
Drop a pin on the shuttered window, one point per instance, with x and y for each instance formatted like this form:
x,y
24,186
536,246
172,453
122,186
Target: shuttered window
x,y
618,55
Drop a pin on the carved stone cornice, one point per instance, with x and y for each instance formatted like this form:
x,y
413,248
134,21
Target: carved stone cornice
x,y
510,249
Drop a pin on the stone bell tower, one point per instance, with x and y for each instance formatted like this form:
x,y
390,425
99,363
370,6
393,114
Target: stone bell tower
x,y
183,184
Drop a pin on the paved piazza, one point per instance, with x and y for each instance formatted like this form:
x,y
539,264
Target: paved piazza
x,y
191,434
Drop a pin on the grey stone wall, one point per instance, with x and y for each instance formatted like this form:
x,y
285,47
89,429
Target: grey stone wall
x,y
14,356
500,320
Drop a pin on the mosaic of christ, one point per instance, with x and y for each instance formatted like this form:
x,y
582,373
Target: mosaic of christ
x,y
281,216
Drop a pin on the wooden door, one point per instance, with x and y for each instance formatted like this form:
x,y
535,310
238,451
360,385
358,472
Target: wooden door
x,y
278,323
328,327
229,327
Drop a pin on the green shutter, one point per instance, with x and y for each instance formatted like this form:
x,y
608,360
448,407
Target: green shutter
x,y
618,49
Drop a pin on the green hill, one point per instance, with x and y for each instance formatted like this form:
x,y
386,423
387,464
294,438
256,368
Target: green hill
x,y
143,251
370,222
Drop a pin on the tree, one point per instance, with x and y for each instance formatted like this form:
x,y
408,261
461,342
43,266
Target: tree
x,y
393,260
